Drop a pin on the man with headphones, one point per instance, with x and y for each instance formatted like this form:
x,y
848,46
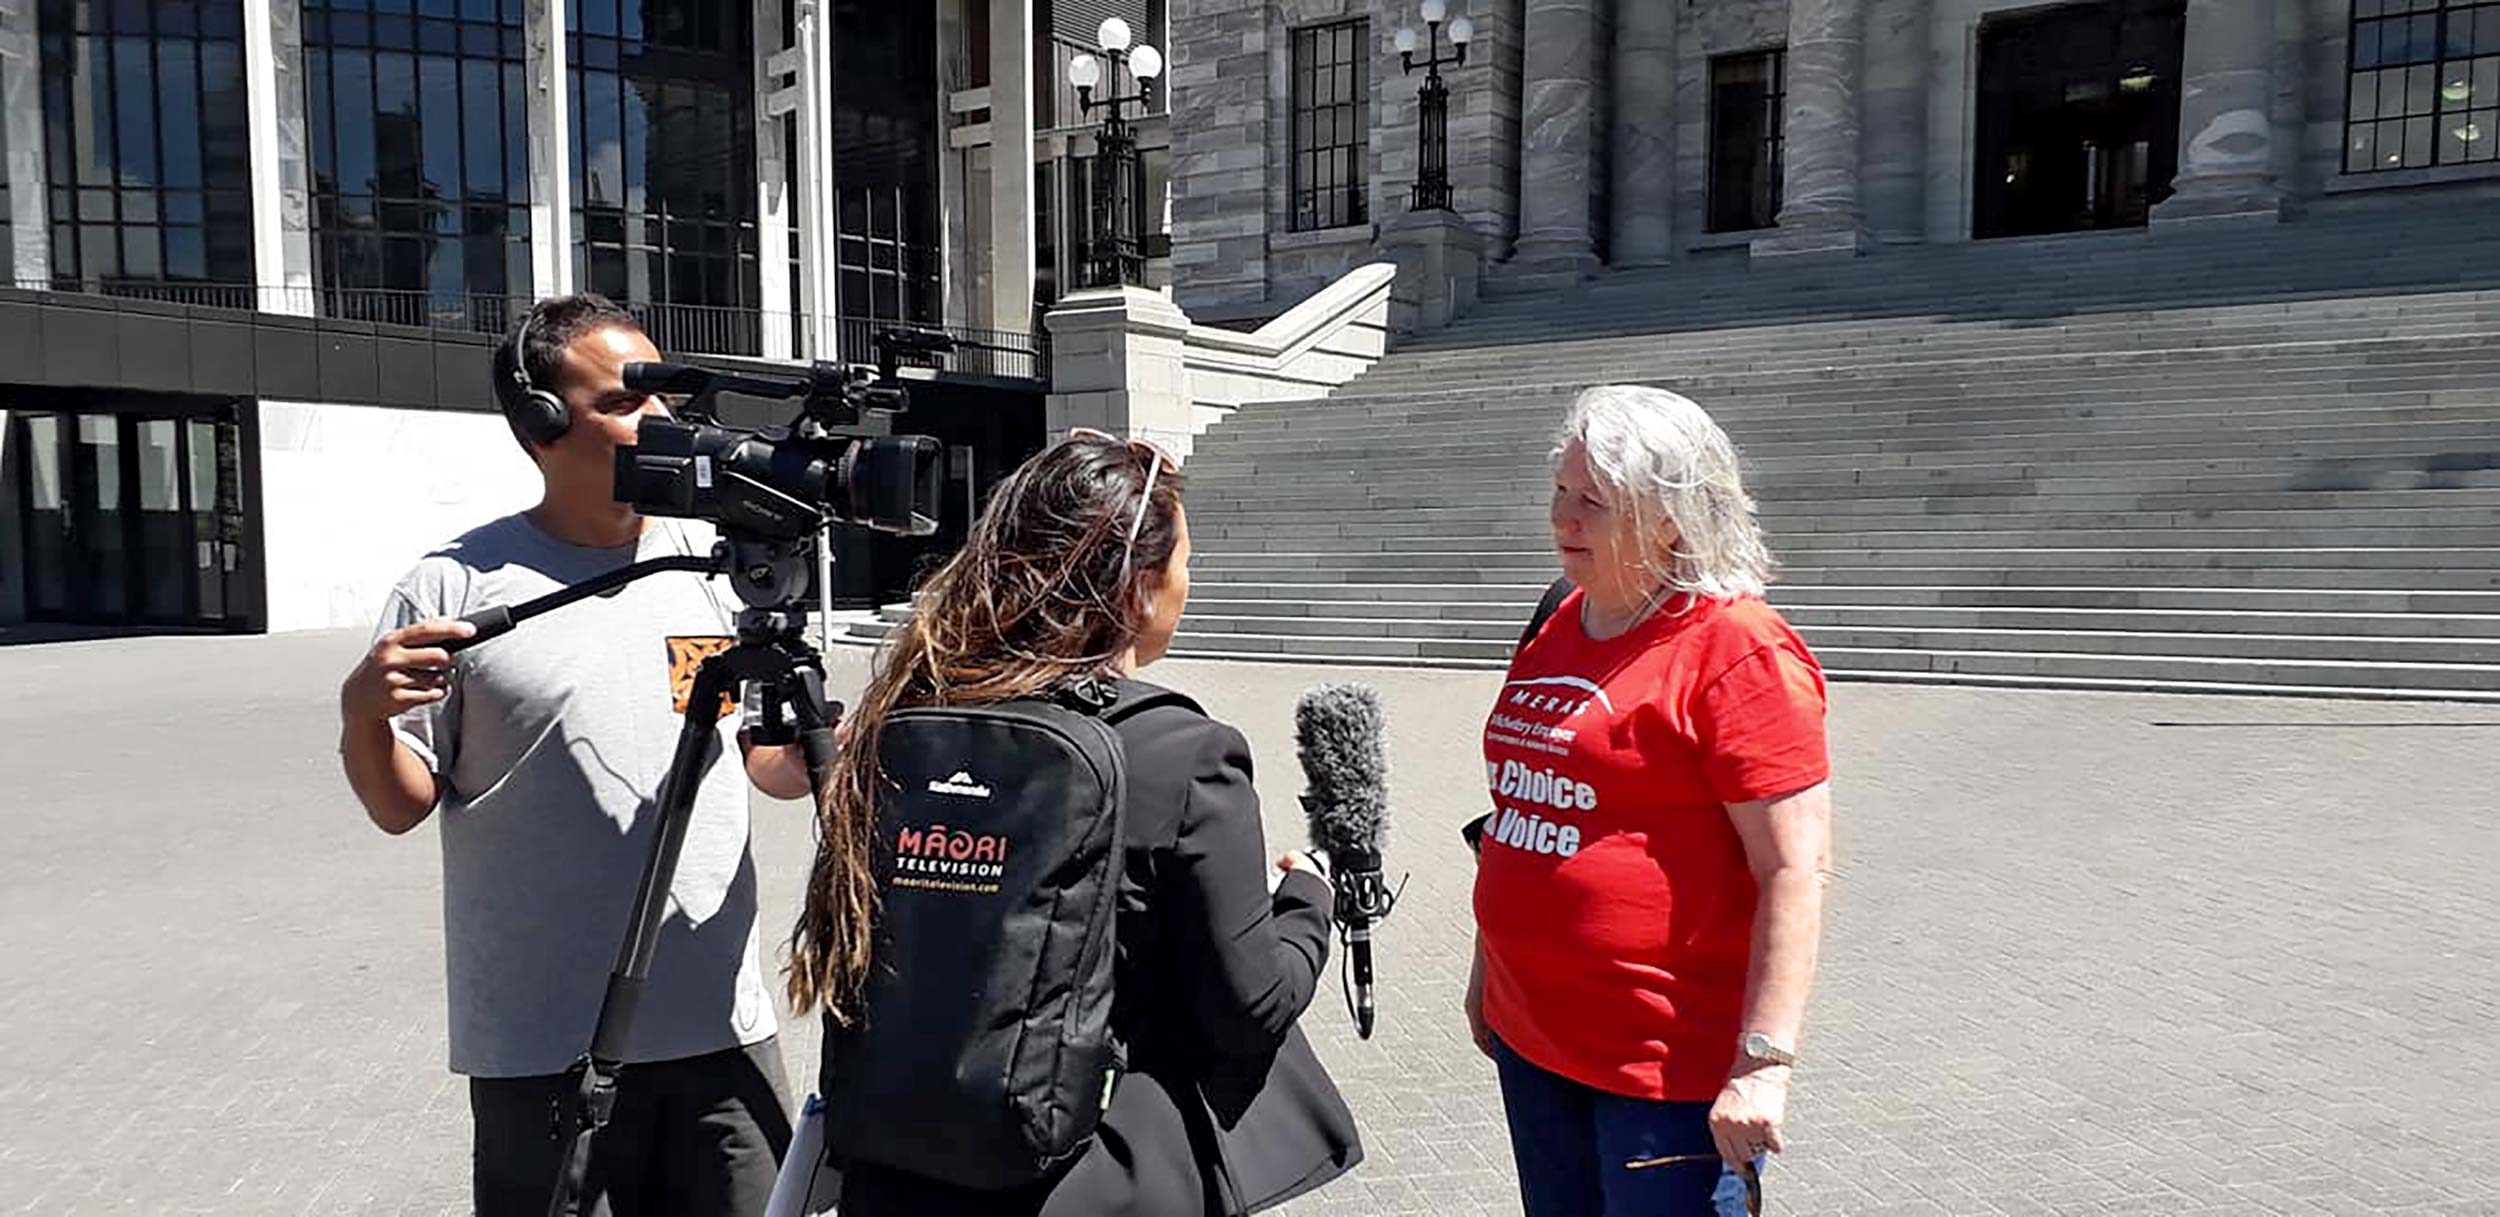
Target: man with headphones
x,y
540,757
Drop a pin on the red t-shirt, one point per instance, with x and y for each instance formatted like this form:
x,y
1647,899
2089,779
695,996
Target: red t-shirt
x,y
1613,899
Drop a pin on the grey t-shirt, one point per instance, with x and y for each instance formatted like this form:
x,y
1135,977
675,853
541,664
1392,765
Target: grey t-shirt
x,y
549,751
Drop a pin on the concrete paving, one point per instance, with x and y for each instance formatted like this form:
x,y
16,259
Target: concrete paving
x,y
2089,953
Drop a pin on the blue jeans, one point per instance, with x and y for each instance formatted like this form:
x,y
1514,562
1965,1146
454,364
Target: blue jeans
x,y
1571,1142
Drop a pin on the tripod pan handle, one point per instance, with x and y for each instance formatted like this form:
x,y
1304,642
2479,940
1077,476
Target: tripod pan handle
x,y
490,622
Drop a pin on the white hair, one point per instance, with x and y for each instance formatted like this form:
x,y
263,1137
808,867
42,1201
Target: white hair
x,y
1663,461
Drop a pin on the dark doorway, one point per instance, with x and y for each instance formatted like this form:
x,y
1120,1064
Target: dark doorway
x,y
134,510
2078,116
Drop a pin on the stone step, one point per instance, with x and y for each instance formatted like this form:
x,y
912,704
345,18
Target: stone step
x,y
2260,601
2083,571
2410,570
1768,474
2460,428
1798,358
1528,538
2023,416
1794,352
2325,676
2334,676
1532,379
2417,631
2080,575
2421,628
1317,528
2008,486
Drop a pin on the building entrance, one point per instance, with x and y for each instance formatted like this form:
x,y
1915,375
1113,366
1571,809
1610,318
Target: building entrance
x,y
133,511
2078,116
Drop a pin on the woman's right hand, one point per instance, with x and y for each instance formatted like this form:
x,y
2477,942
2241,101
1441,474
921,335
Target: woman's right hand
x,y
1475,1005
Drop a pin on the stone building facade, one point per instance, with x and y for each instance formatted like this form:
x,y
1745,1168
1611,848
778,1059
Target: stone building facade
x,y
1596,133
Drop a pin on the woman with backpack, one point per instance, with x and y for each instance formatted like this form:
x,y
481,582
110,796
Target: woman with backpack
x,y
966,974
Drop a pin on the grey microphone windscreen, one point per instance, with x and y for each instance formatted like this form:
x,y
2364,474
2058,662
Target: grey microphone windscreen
x,y
1337,734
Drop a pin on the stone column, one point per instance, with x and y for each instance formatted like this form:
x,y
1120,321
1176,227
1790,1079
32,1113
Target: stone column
x,y
1893,159
1011,165
1116,365
1819,210
1643,134
2226,124
273,78
21,92
772,189
551,168
1558,133
820,304
1440,261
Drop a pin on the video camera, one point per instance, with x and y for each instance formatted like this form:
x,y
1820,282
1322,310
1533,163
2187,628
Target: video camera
x,y
783,484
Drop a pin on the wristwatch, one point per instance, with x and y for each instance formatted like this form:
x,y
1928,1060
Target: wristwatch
x,y
1755,1046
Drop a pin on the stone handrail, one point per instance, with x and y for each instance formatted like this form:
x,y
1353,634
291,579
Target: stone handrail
x,y
1307,351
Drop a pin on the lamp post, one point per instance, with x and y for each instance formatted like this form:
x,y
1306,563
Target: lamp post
x,y
1432,174
1112,256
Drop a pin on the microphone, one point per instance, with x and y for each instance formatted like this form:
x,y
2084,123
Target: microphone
x,y
1337,730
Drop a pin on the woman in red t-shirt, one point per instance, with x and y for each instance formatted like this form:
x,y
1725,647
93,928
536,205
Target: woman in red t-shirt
x,y
1649,892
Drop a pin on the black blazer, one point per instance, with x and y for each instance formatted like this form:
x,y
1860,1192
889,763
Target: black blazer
x,y
1225,1109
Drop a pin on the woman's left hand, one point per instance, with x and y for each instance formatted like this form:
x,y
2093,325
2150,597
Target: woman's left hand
x,y
1745,1123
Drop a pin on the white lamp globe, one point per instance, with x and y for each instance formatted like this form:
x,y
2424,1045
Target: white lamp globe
x,y
1146,62
1085,71
1434,10
1114,34
1406,40
1462,31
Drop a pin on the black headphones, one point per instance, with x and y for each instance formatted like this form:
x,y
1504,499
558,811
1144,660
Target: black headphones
x,y
537,413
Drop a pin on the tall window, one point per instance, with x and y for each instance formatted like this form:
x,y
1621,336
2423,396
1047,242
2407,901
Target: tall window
x,y
1748,102
1331,124
885,147
663,164
420,158
145,139
2425,84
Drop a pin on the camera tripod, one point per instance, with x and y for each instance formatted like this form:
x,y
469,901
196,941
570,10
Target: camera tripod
x,y
771,651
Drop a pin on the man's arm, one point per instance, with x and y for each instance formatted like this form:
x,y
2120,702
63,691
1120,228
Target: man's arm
x,y
406,669
780,771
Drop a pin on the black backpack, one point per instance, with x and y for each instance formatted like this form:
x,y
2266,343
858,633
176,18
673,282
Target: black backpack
x,y
984,1056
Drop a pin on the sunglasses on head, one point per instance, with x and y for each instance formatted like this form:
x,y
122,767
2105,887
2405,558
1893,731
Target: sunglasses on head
x,y
1145,496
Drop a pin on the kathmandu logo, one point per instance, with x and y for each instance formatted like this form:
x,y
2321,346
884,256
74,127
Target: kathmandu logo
x,y
961,784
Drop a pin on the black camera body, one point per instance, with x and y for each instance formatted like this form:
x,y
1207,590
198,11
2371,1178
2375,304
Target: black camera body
x,y
784,484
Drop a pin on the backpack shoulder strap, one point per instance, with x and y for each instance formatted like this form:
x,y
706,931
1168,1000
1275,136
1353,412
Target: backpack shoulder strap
x,y
1554,596
1136,697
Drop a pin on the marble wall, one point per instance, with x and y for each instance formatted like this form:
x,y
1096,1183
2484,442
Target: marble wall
x,y
352,496
1234,252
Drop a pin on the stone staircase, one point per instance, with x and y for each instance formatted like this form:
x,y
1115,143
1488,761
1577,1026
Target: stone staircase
x,y
2261,461
2258,460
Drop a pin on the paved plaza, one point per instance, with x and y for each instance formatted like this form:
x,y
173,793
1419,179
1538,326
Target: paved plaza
x,y
2088,954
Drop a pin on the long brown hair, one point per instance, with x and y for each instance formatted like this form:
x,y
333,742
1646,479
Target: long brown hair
x,y
1047,591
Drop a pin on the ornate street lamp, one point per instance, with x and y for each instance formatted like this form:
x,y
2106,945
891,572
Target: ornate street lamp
x,y
1432,176
1112,256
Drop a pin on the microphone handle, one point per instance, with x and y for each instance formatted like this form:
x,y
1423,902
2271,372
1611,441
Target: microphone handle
x,y
1359,943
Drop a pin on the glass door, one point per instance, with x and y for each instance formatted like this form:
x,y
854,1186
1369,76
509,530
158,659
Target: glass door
x,y
213,498
45,510
132,520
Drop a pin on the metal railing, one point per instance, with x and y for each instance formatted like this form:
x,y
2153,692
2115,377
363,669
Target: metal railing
x,y
994,354
679,329
162,291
